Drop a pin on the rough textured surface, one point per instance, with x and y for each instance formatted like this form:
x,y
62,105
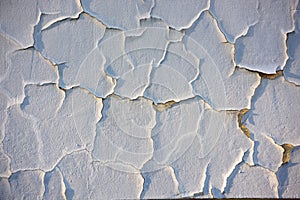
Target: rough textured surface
x,y
27,17
127,17
267,154
54,185
292,69
235,18
26,67
257,175
26,185
149,99
180,16
267,37
49,125
278,100
288,176
208,43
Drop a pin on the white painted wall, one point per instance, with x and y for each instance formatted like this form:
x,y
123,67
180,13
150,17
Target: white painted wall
x,y
149,99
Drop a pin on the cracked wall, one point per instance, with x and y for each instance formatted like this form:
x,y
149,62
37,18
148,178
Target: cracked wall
x,y
149,99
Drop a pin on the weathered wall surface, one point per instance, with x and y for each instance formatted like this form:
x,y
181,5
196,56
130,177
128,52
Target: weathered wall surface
x,y
149,99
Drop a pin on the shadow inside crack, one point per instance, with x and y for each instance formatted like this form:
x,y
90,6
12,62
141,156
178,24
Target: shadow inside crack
x,y
69,191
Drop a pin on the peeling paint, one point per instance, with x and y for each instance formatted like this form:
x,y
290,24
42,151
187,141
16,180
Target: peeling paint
x,y
149,99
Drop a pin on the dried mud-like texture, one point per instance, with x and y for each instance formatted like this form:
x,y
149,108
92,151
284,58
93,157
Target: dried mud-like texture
x,y
149,99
